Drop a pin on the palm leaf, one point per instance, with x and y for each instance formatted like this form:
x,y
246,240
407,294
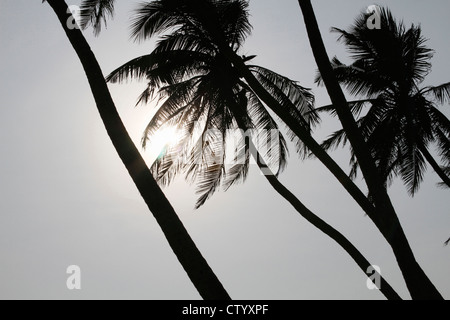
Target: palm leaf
x,y
447,242
441,93
96,12
155,17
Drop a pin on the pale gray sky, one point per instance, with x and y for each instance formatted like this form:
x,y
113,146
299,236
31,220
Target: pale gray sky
x,y
66,198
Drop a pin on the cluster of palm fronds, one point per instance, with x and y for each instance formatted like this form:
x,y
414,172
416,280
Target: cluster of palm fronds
x,y
402,120
202,94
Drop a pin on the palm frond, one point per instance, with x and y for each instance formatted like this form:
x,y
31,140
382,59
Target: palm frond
x,y
289,93
439,119
447,242
212,168
443,144
234,21
239,165
155,17
134,69
334,140
443,185
160,68
412,169
440,93
355,106
278,152
96,12
183,106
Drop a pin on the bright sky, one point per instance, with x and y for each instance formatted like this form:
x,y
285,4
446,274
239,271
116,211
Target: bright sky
x,y
66,199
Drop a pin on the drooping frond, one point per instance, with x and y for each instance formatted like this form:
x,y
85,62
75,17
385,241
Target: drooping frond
x,y
95,12
160,68
356,107
443,185
289,93
335,140
184,106
270,141
440,93
412,169
447,242
443,145
238,167
211,169
156,17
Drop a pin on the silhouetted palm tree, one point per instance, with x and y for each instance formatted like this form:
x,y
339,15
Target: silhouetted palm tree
x,y
205,97
204,94
181,243
403,121
383,214
385,218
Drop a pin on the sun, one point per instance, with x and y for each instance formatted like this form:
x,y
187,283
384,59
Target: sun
x,y
158,142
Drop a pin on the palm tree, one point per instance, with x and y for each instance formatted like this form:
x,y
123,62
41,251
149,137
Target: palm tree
x,y
210,104
403,120
181,243
387,221
383,213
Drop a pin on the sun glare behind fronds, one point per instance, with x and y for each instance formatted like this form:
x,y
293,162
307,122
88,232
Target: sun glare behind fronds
x,y
159,142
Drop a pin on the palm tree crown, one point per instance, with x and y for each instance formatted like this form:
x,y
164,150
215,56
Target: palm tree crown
x,y
203,94
402,123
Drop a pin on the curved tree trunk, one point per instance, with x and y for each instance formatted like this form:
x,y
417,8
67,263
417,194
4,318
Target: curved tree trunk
x,y
417,282
387,224
435,166
320,224
181,243
316,221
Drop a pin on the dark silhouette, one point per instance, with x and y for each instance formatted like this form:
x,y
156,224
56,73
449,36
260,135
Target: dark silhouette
x,y
386,219
181,243
402,121
379,207
206,99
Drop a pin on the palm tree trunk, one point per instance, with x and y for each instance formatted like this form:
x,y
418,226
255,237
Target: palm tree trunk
x,y
418,283
181,243
435,165
316,221
303,134
320,224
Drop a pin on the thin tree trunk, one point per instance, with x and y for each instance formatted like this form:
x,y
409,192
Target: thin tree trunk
x,y
303,134
181,243
435,166
320,224
388,225
417,282
316,221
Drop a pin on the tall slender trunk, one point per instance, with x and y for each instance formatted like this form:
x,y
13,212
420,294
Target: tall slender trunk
x,y
327,229
301,132
417,282
435,165
181,243
316,221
